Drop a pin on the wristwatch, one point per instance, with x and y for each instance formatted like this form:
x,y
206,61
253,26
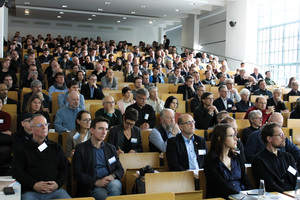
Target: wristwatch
x,y
114,176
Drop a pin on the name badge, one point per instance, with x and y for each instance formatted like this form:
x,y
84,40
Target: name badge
x,y
133,140
201,152
146,116
1,121
112,160
292,170
42,147
229,105
76,136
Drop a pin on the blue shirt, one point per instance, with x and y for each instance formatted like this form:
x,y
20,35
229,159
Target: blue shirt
x,y
189,144
92,91
101,169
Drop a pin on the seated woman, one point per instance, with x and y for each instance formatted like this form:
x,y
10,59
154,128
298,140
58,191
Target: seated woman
x,y
81,132
5,139
172,103
126,137
80,78
223,167
126,100
295,114
35,106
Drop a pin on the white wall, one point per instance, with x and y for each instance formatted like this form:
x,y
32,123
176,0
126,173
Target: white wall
x,y
212,34
106,32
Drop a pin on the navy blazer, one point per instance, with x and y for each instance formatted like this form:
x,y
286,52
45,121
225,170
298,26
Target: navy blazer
x,y
220,105
84,166
177,156
116,137
86,92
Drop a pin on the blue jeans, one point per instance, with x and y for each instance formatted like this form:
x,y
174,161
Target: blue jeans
x,y
57,194
114,188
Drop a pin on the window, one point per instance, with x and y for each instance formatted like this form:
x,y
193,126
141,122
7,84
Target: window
x,y
278,38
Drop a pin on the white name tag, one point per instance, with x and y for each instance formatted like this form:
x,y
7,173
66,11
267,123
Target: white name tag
x,y
146,116
133,140
42,147
292,170
76,136
201,152
1,121
112,160
229,105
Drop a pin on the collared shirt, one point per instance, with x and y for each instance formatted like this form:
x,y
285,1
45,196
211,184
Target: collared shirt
x,y
225,102
101,169
189,144
92,91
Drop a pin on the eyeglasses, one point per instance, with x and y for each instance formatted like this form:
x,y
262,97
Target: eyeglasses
x,y
141,98
129,124
86,120
188,122
27,120
232,135
280,135
40,125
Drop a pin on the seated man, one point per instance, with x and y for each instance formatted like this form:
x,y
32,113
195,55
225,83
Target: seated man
x,y
208,78
255,144
147,117
187,89
277,168
294,91
136,73
45,57
260,104
196,101
276,101
241,79
205,114
40,165
62,99
262,89
145,80
137,85
244,104
197,81
71,76
36,87
167,129
232,92
176,77
144,67
256,74
109,82
186,151
8,81
92,90
268,79
154,101
255,119
223,102
65,117
96,165
3,95
31,75
59,84
156,78
109,112
99,72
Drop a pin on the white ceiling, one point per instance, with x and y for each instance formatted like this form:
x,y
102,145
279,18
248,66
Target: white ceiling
x,y
159,12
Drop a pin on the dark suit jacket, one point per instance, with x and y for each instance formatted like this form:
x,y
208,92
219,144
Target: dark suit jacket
x,y
238,80
195,103
280,105
84,166
86,92
116,138
11,101
220,105
177,156
46,101
259,76
150,61
187,92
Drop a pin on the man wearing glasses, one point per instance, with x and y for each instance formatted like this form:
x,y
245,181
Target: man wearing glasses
x,y
109,112
277,168
223,102
186,151
147,117
92,90
40,165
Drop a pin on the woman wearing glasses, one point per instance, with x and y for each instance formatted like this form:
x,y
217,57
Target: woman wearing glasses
x,y
126,137
224,168
81,132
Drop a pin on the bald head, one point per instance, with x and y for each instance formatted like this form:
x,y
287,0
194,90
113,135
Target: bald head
x,y
276,117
